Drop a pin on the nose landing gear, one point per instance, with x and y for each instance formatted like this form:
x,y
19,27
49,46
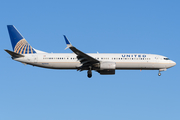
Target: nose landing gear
x,y
159,74
164,69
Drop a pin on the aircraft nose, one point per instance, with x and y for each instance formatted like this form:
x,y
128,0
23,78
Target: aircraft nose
x,y
173,63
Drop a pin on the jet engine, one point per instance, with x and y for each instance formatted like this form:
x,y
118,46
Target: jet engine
x,y
107,68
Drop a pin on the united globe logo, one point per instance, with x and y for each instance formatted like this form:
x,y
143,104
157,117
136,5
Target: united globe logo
x,y
23,47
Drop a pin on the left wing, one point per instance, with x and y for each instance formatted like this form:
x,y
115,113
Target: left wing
x,y
85,59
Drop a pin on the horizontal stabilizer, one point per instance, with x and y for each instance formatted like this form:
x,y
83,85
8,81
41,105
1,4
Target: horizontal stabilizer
x,y
13,54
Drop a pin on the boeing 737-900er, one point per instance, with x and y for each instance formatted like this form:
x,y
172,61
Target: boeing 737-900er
x,y
104,63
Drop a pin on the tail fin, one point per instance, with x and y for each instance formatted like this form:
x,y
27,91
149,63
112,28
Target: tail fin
x,y
19,44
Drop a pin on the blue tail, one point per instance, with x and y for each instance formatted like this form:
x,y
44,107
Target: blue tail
x,y
19,44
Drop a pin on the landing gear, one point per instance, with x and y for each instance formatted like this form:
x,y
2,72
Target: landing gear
x,y
89,73
159,74
164,69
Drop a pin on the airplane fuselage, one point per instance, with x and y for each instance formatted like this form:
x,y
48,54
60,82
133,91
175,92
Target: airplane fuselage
x,y
122,61
103,63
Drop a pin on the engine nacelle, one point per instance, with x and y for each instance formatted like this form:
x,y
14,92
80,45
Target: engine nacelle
x,y
107,68
107,65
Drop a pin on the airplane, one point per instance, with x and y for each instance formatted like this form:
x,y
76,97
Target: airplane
x,y
103,63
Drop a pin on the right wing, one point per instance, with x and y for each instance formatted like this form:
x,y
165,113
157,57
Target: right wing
x,y
84,58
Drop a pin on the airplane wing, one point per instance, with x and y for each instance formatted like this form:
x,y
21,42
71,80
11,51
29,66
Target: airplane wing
x,y
84,58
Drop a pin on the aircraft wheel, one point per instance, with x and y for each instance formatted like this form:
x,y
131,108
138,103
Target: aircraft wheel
x,y
89,74
159,74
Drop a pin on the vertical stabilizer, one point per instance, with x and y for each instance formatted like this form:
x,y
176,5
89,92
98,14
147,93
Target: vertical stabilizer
x,y
19,44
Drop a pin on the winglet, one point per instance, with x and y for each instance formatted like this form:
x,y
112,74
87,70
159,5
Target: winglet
x,y
67,42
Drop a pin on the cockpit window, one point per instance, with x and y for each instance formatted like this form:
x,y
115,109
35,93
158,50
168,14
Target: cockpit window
x,y
166,59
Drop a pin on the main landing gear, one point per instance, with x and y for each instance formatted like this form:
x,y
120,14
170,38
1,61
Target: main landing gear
x,y
89,73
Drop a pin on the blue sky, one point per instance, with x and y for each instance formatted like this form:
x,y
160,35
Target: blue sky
x,y
115,26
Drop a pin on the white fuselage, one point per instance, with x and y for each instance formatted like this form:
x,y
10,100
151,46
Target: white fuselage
x,y
123,61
